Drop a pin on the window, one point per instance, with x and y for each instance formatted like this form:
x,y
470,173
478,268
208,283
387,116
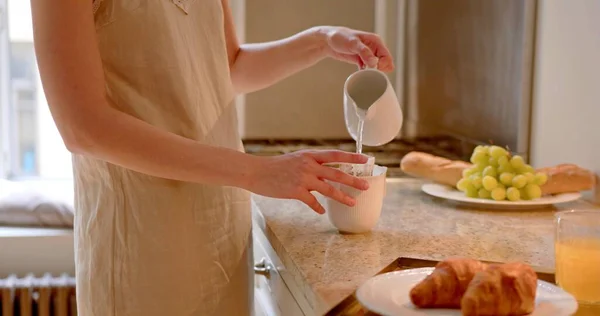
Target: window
x,y
30,143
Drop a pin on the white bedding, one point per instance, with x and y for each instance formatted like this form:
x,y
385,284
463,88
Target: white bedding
x,y
36,220
43,203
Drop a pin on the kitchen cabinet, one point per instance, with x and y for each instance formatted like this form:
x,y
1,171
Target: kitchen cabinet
x,y
272,297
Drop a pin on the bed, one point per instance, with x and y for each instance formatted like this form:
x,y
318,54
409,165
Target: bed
x,y
36,220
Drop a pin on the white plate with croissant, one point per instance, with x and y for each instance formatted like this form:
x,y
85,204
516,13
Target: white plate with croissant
x,y
460,286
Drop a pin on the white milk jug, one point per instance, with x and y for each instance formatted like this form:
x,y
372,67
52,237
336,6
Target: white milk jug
x,y
370,101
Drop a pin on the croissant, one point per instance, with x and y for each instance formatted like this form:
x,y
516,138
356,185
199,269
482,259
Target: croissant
x,y
501,290
445,286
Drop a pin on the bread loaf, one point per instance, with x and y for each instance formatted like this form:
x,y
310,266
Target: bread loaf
x,y
562,178
437,169
567,178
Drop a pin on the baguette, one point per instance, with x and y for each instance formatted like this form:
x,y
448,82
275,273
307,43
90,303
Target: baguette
x,y
565,178
437,169
562,178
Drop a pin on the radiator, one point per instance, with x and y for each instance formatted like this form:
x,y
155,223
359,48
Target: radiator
x,y
38,296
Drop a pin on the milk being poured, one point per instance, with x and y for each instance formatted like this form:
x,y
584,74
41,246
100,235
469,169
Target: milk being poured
x,y
363,99
359,133
371,109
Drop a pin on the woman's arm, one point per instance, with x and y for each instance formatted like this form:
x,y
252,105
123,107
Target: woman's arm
x,y
257,66
72,77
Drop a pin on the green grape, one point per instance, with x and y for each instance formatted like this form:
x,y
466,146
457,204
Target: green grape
x,y
484,194
499,194
519,181
480,166
489,183
541,178
524,170
469,172
506,168
529,168
489,171
493,162
476,181
463,184
481,149
472,192
502,169
523,194
506,178
503,161
513,194
497,152
517,162
479,158
530,177
533,191
502,186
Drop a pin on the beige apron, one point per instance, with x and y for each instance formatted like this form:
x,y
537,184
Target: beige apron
x,y
151,246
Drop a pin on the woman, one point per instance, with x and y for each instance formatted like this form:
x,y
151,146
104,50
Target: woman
x,y
141,93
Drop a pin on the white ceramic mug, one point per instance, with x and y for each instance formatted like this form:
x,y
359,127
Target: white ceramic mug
x,y
363,216
370,90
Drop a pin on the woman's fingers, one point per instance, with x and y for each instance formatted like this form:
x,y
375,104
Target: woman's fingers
x,y
331,192
375,43
315,175
365,53
327,156
311,201
339,176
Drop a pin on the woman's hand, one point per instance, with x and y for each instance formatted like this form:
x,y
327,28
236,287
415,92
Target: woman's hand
x,y
357,47
295,175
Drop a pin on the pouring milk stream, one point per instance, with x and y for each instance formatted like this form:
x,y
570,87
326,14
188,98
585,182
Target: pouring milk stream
x,y
373,118
371,109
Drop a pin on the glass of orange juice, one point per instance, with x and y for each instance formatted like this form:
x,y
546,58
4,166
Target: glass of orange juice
x,y
577,250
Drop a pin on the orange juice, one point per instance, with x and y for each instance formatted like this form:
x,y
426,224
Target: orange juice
x,y
578,268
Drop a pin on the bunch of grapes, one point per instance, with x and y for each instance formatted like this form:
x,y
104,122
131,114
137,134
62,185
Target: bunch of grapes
x,y
499,176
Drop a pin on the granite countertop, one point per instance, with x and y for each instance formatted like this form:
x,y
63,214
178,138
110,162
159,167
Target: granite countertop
x,y
325,266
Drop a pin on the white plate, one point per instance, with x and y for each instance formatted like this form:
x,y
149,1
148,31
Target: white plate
x,y
449,193
388,294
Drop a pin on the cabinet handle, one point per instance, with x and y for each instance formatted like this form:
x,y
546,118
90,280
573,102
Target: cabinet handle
x,y
262,267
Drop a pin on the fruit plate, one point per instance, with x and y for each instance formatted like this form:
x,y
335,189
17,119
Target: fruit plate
x,y
388,294
449,193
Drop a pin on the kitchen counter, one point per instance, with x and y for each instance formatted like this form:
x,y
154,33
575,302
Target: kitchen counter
x,y
321,267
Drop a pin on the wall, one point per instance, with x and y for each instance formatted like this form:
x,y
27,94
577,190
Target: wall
x,y
566,101
308,104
